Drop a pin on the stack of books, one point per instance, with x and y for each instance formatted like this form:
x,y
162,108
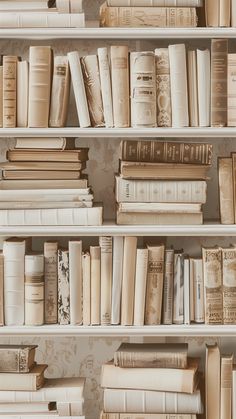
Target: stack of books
x,y
42,14
25,393
227,189
151,380
162,182
43,184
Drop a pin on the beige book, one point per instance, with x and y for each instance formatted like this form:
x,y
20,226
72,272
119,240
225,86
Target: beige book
x,y
198,290
159,208
204,86
231,94
186,290
105,78
212,272
9,91
40,68
31,381
22,94
63,287
212,380
219,58
229,284
226,387
155,3
106,279
50,166
41,19
76,155
234,183
63,6
92,83
168,287
95,254
155,379
135,218
212,12
143,89
225,13
76,6
191,291
56,143
155,276
128,281
79,89
120,86
140,286
27,185
145,416
60,92
50,272
17,358
34,290
233,13
193,89
39,174
75,281
1,289
164,114
1,96
86,288
226,190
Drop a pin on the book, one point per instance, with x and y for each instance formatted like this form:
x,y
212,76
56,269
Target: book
x,y
27,408
60,92
135,218
233,13
34,289
231,93
153,3
151,355
117,275
37,19
120,86
17,358
44,205
178,297
198,290
233,155
79,89
229,291
204,86
226,386
150,191
57,143
149,416
217,13
233,394
155,379
212,380
63,287
163,95
39,174
187,303
22,87
33,185
86,271
9,90
226,190
106,279
128,281
1,96
192,88
23,4
143,89
1,289
46,195
154,207
219,58
32,381
95,254
213,295
179,88
42,166
70,409
168,287
40,416
105,79
140,286
155,277
77,155
135,17
51,279
75,282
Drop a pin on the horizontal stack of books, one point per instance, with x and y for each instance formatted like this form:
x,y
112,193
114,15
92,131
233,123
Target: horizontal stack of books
x,y
151,381
43,184
42,14
25,393
162,182
227,188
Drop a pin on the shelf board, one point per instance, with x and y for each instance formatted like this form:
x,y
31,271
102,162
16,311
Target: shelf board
x,y
119,132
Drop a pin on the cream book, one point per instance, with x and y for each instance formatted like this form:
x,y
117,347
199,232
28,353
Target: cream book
x,y
17,358
9,90
1,96
60,92
32,185
63,287
117,275
1,289
140,286
105,242
105,79
159,208
218,12
135,218
226,387
95,254
213,295
51,280
86,272
229,284
34,289
155,3
146,416
178,297
31,381
26,408
231,94
75,282
37,19
204,86
212,380
226,190
120,86
128,281
70,409
164,113
22,94
193,88
57,143
198,290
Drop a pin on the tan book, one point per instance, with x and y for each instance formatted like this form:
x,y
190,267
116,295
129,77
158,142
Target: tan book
x,y
164,112
105,77
212,374
219,58
22,94
233,13
225,13
51,279
60,92
9,91
9,185
1,289
193,89
226,190
218,12
50,166
31,381
231,94
17,358
155,3
106,279
34,289
151,355
134,218
128,281
1,96
233,155
145,416
168,288
120,86
40,68
229,284
226,387
95,254
212,272
40,174
81,154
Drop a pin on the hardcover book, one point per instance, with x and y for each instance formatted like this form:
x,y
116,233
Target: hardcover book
x,y
17,358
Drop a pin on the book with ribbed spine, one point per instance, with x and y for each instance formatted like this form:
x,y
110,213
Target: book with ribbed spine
x,y
226,386
226,190
219,90
168,288
9,90
164,112
229,284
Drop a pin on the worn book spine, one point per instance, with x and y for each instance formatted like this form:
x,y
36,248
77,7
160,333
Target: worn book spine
x,y
168,287
226,190
212,272
51,282
92,83
231,94
229,285
95,253
178,299
128,281
75,281
120,86
105,78
40,67
219,58
22,94
86,288
198,291
9,91
60,92
63,287
106,279
226,387
1,289
164,113
16,359
140,286
155,276
34,290
143,89
1,96
192,88
204,86
118,254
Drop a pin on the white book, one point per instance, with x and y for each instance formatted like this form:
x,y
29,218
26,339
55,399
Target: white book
x,y
95,255
1,289
29,19
179,90
76,6
178,304
45,195
58,143
168,287
128,281
186,291
106,279
155,3
193,88
34,290
105,78
69,6
6,5
86,289
204,86
70,409
38,416
22,87
27,408
76,284
118,253
79,89
191,290
140,286
198,291
45,205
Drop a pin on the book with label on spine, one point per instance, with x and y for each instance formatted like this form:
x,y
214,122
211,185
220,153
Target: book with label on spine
x,y
86,263
212,380
60,92
226,387
226,190
128,281
22,94
118,254
51,282
37,19
178,298
229,284
63,287
30,381
1,289
1,96
9,90
219,59
34,290
213,295
95,254
204,86
75,282
17,358
105,79
198,290
168,288
120,86
140,286
106,279
163,96
155,3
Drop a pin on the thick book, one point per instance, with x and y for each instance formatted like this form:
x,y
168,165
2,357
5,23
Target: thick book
x,y
42,166
31,381
226,190
218,13
120,85
23,4
212,380
33,185
77,155
9,90
213,295
51,280
135,218
17,358
63,287
226,386
163,95
128,281
34,289
145,416
57,143
155,379
34,19
154,290
229,284
118,256
155,3
46,195
219,59
60,92
151,355
28,408
75,282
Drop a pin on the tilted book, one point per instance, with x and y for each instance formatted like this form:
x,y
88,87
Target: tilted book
x,y
51,281
229,284
106,279
120,86
60,92
212,272
219,59
105,79
34,289
17,358
226,190
9,90
63,287
164,112
128,281
31,381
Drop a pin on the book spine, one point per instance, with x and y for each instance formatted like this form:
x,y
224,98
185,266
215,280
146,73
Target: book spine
x,y
229,285
155,276
90,70
143,89
106,279
226,190
178,304
219,58
168,287
226,387
41,20
212,272
192,88
140,286
198,291
120,86
231,94
225,13
63,287
212,12
187,291
128,281
51,282
40,62
75,281
95,253
118,253
60,93
105,78
70,409
9,91
63,6
204,86
155,3
34,290
1,289
164,113
86,289
22,94
1,96
76,6
191,290
233,13
145,416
